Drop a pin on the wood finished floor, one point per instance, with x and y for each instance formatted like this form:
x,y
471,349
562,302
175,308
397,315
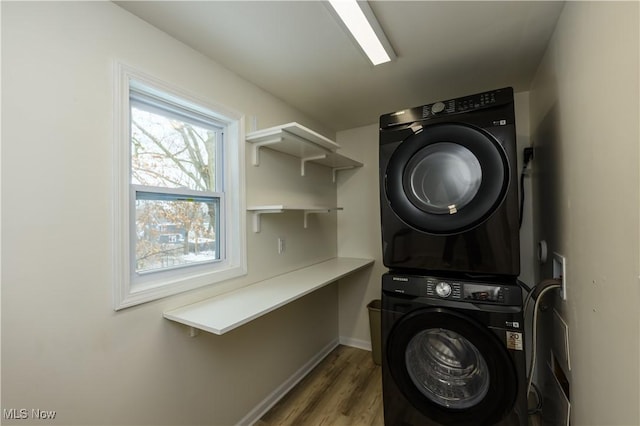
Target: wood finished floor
x,y
345,389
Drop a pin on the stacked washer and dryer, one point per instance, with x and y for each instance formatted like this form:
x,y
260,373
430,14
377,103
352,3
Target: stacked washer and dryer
x,y
452,311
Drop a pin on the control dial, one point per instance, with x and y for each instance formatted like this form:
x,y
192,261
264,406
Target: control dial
x,y
437,107
443,289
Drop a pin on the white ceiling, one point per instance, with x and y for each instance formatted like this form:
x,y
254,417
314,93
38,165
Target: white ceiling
x,y
297,50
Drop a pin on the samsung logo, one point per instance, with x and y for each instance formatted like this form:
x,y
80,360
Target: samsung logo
x,y
400,279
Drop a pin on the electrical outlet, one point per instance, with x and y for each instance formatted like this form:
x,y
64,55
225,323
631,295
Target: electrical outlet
x,y
281,245
560,272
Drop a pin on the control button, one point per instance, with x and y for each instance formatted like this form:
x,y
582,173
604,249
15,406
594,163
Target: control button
x,y
437,107
443,289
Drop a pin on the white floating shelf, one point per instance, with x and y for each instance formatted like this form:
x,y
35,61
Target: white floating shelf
x,y
228,311
334,161
292,132
299,141
258,211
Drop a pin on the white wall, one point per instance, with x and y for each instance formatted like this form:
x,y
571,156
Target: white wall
x,y
359,233
359,225
528,247
585,127
63,346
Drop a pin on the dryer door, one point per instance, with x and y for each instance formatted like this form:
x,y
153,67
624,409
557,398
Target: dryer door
x,y
450,368
447,178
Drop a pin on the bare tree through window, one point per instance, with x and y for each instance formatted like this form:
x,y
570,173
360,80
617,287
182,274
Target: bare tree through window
x,y
178,154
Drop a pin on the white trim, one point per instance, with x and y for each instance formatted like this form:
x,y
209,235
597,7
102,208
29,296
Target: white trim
x,y
272,399
234,264
356,343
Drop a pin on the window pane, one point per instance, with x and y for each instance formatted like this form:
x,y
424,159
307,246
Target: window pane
x,y
170,152
174,231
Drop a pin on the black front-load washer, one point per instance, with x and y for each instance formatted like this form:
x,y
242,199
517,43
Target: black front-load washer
x,y
453,352
448,187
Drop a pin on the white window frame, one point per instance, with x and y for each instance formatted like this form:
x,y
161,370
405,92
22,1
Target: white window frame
x,y
131,288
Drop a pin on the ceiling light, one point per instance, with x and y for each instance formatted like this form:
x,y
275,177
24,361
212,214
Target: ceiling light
x,y
362,23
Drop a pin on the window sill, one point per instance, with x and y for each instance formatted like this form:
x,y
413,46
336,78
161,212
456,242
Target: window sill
x,y
223,313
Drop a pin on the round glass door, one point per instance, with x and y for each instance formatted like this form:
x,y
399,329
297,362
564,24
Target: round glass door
x,y
451,368
442,178
447,368
447,178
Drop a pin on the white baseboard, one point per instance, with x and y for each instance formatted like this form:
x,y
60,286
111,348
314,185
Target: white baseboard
x,y
265,405
355,343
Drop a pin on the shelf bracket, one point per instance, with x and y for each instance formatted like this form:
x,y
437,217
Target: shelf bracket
x,y
193,332
258,145
256,218
308,212
337,169
304,160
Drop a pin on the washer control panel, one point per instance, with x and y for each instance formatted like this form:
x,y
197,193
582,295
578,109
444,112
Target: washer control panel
x,y
471,292
450,289
443,289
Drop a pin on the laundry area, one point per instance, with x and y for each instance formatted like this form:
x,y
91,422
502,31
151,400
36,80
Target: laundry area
x,y
234,213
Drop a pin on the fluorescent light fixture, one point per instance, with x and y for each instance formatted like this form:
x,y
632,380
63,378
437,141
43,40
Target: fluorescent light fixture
x,y
362,24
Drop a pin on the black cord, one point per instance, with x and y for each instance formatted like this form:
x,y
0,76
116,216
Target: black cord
x,y
521,198
528,155
525,287
538,407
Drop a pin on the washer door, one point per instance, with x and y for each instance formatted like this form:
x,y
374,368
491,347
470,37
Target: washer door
x,y
447,178
450,368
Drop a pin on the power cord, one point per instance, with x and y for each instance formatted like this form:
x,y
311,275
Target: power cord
x,y
528,155
536,294
538,408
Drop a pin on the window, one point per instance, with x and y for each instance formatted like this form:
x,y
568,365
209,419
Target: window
x,y
179,191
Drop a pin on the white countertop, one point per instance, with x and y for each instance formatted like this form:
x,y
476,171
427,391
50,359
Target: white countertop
x,y
223,313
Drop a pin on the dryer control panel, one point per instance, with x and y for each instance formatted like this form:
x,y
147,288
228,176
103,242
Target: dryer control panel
x,y
450,106
449,289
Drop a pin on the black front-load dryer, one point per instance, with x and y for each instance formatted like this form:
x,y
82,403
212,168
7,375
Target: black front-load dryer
x,y
448,187
453,352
